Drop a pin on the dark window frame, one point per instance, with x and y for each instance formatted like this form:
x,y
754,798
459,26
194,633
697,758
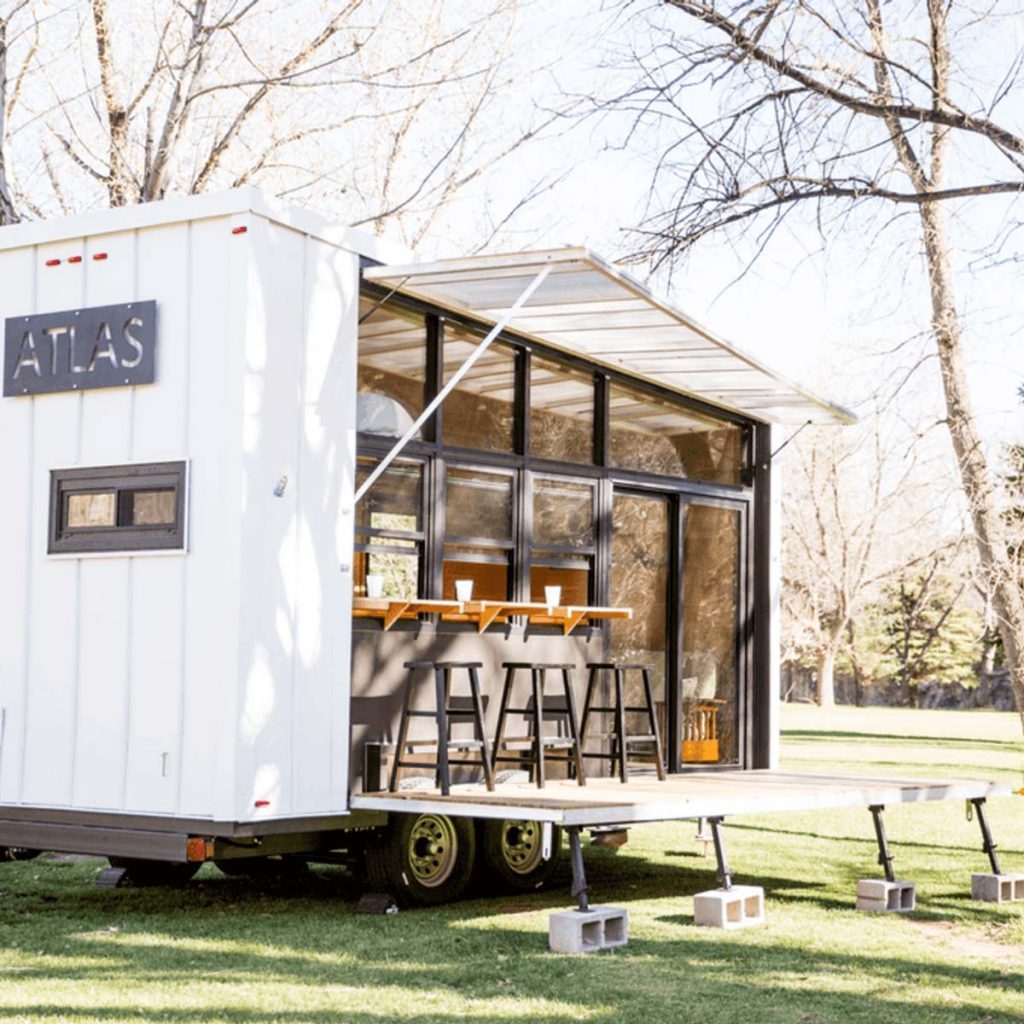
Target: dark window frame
x,y
366,539
123,481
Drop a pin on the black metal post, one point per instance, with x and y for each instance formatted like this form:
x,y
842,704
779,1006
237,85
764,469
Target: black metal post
x,y
884,855
579,878
987,845
724,874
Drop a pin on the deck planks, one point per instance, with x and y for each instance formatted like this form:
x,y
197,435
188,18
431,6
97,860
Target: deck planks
x,y
688,795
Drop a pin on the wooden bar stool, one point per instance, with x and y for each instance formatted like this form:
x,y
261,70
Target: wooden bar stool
x,y
620,737
444,714
538,740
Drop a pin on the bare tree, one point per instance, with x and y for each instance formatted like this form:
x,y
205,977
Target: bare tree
x,y
848,529
837,109
8,92
377,110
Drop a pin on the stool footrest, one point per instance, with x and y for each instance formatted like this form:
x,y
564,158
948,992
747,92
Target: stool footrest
x,y
611,711
547,741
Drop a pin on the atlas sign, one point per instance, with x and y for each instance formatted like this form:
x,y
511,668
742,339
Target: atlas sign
x,y
80,349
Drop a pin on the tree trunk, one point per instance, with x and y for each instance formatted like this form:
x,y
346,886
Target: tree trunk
x,y
827,677
7,213
989,525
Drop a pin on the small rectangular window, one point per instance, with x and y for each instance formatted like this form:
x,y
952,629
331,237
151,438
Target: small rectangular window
x,y
117,508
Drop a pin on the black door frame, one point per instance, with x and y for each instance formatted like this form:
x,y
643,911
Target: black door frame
x,y
680,498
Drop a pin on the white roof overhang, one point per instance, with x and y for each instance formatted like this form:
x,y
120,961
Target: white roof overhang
x,y
587,307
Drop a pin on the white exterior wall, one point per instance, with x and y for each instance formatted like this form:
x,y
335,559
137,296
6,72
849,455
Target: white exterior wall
x,y
187,684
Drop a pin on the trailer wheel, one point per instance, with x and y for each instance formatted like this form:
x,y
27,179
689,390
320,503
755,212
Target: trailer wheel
x,y
513,851
154,872
423,859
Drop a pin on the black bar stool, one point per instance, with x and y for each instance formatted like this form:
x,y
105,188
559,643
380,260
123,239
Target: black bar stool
x,y
443,714
538,740
620,737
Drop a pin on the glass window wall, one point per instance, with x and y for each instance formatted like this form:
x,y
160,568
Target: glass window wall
x,y
389,530
561,412
392,368
478,533
480,412
652,435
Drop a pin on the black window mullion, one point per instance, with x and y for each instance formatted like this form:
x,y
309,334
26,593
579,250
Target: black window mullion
x,y
601,420
524,536
435,372
521,410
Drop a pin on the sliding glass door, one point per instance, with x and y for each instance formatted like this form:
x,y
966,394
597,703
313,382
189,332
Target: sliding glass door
x,y
678,562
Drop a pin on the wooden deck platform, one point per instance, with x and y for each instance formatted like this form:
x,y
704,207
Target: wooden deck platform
x,y
688,795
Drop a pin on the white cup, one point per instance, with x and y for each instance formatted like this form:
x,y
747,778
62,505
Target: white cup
x,y
463,590
374,585
553,596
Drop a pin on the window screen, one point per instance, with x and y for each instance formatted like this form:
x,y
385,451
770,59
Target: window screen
x,y
117,508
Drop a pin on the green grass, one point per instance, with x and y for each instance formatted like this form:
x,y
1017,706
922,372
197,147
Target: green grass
x,y
233,951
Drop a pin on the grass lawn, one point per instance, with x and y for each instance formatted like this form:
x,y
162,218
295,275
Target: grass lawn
x,y
228,950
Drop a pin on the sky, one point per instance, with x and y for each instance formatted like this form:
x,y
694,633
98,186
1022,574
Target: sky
x,y
822,314
812,311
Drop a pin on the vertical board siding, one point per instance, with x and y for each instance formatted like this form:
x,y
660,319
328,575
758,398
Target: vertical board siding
x,y
273,356
104,603
159,433
324,541
190,685
17,285
50,715
215,327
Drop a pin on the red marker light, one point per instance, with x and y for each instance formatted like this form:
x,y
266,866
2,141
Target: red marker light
x,y
262,803
99,256
74,259
53,263
239,231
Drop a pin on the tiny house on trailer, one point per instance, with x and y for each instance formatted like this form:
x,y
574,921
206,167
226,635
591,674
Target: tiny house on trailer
x,y
267,482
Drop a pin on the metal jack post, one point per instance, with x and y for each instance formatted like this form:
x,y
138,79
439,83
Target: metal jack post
x,y
987,845
724,874
884,855
579,878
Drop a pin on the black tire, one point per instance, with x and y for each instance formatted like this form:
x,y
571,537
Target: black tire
x,y
145,873
269,868
422,860
512,853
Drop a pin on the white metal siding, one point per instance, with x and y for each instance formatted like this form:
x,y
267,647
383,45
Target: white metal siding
x,y
298,426
95,708
195,684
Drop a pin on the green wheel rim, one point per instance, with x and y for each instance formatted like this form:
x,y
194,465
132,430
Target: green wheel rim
x,y
433,849
522,845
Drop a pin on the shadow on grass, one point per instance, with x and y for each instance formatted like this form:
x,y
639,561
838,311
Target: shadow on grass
x,y
703,977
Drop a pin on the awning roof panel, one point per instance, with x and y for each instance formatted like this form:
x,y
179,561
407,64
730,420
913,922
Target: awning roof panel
x,y
594,310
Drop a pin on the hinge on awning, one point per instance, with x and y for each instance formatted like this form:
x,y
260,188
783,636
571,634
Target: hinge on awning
x,y
452,384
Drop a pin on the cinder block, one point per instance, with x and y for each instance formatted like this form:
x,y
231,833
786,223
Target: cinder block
x,y
882,897
739,907
998,888
586,931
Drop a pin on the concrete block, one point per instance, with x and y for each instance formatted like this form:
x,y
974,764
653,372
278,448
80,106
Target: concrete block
x,y
739,907
586,931
998,888
882,897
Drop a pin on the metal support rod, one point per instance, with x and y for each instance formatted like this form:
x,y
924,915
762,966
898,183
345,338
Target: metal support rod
x,y
579,877
987,845
452,384
884,855
724,874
